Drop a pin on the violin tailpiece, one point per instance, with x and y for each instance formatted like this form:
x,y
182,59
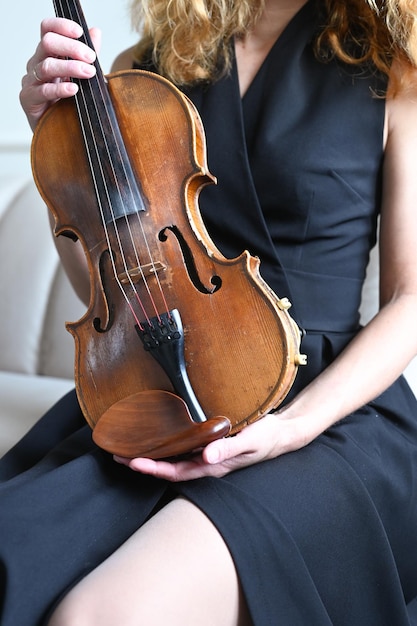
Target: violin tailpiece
x,y
163,338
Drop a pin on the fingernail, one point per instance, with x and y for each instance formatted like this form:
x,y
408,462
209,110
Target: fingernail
x,y
120,459
90,71
213,456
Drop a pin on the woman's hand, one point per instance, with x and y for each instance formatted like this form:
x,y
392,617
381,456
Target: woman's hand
x,y
265,439
58,57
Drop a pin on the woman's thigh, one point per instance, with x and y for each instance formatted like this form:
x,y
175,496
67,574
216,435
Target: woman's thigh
x,y
175,567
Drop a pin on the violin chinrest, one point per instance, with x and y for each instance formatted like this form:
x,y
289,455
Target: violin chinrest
x,y
155,424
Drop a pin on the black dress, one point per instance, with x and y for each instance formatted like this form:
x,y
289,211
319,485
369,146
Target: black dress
x,y
324,535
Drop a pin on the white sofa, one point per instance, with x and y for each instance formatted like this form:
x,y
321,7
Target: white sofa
x,y
36,355
36,351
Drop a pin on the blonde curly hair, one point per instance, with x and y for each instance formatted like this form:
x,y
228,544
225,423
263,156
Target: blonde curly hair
x,y
190,39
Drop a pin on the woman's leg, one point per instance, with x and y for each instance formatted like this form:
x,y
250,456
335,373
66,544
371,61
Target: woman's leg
x,y
176,569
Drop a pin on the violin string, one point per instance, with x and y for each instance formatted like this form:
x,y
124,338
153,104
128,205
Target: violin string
x,y
92,171
140,223
128,226
103,178
96,186
107,236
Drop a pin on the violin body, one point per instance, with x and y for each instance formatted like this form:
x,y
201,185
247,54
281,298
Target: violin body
x,y
240,345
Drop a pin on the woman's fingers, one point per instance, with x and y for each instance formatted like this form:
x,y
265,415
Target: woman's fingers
x,y
62,26
52,70
59,57
95,34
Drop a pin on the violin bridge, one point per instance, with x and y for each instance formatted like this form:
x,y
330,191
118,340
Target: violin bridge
x,y
141,272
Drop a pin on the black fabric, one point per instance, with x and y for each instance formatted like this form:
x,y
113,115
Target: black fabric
x,y
327,534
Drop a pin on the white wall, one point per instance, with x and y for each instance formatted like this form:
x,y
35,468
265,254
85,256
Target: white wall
x,y
19,35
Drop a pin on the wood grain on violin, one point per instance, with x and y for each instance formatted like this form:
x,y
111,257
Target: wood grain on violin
x,y
179,345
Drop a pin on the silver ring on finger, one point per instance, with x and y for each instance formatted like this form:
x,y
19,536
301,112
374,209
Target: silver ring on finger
x,y
39,80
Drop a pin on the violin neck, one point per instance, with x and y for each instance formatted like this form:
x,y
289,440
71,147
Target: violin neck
x,y
71,9
101,132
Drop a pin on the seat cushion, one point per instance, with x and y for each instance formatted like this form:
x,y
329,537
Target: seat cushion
x,y
25,398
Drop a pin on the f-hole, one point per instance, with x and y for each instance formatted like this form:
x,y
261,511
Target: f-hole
x,y
108,317
190,265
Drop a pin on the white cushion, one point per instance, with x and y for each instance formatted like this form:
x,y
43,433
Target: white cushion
x,y
24,399
36,297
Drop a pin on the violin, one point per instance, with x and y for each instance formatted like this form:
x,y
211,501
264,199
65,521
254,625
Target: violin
x,y
179,345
